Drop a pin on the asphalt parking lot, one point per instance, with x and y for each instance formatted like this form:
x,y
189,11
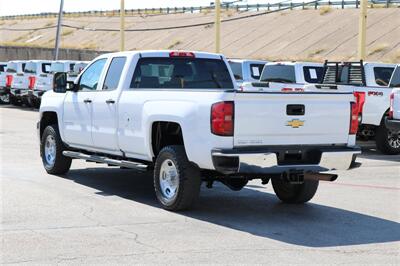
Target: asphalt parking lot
x,y
100,215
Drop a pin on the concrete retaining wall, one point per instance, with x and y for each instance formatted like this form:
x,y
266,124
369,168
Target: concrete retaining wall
x,y
24,53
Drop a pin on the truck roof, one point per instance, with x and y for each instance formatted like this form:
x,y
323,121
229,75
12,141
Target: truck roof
x,y
237,60
378,64
291,63
163,53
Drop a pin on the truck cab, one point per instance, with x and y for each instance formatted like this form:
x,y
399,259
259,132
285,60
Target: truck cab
x,y
246,70
286,76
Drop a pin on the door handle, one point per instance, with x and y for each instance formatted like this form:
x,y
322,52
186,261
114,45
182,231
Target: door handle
x,y
110,101
87,101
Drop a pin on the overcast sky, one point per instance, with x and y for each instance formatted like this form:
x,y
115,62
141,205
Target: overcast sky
x,y
15,7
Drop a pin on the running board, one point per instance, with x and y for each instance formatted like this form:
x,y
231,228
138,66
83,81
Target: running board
x,y
106,160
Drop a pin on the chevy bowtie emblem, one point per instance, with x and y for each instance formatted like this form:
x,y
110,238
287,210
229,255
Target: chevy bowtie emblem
x,y
295,123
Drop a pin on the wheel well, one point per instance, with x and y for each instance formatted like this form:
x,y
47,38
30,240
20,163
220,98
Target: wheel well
x,y
165,134
48,118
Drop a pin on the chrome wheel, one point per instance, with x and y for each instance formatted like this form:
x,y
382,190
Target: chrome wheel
x,y
394,139
169,180
50,150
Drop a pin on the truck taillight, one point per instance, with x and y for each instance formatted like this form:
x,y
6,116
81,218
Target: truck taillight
x,y
354,119
181,54
9,79
391,105
360,100
222,118
32,80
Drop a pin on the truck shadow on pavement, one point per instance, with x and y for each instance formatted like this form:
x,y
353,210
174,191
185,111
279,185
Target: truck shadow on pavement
x,y
252,211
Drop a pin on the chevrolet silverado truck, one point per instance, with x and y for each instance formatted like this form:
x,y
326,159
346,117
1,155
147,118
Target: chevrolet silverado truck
x,y
286,76
370,84
180,115
393,118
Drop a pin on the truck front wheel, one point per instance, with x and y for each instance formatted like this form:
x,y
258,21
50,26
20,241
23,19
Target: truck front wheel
x,y
176,180
294,193
51,148
388,142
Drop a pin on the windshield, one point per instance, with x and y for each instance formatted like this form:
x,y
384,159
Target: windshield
x,y
279,73
190,73
236,70
30,68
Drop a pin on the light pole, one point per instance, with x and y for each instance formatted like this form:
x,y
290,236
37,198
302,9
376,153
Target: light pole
x,y
60,14
122,30
362,30
217,25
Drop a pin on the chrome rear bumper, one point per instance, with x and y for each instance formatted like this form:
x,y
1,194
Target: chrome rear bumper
x,y
275,161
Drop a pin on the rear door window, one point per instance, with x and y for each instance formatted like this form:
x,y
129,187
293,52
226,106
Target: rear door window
x,y
236,70
383,75
114,73
279,73
256,70
313,74
395,81
188,73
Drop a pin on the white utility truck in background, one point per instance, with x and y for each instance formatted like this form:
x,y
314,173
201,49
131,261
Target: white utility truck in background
x,y
4,95
180,115
370,84
37,74
393,119
246,70
286,76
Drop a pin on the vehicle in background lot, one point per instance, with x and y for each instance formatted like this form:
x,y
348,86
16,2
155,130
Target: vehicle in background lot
x,y
4,95
370,84
44,81
286,76
246,70
181,114
15,80
37,73
393,118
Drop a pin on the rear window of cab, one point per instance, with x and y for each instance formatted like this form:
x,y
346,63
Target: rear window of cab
x,y
181,73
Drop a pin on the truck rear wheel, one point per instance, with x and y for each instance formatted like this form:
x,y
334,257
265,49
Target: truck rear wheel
x,y
15,101
51,148
294,193
176,180
5,98
388,142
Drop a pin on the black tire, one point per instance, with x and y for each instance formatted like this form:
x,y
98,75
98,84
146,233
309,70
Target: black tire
x,y
298,193
5,99
387,142
26,102
61,164
188,175
14,101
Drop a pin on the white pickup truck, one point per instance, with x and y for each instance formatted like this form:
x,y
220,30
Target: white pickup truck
x,y
370,84
4,96
393,119
15,80
286,76
180,115
41,82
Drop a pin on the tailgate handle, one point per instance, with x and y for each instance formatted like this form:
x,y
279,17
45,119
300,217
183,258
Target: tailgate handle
x,y
295,109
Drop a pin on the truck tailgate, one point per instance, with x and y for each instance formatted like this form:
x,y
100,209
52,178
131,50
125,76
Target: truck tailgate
x,y
291,118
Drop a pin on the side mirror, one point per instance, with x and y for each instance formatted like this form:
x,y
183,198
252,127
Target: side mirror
x,y
60,82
